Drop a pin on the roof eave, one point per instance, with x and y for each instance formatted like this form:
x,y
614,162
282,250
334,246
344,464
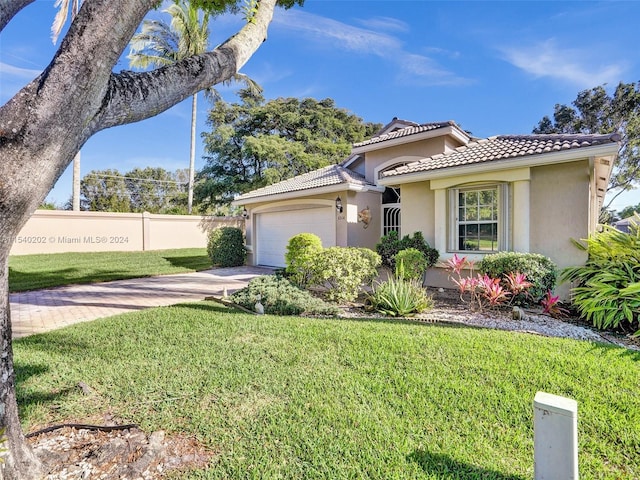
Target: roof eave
x,y
340,187
437,132
608,150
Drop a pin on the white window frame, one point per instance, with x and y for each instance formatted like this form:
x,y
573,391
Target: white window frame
x,y
502,190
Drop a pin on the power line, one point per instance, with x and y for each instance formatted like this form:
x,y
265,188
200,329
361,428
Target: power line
x,y
136,178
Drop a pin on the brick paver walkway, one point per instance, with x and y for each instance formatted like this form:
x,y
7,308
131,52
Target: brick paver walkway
x,y
44,310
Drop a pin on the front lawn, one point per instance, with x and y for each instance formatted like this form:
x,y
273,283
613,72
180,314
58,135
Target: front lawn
x,y
33,272
291,397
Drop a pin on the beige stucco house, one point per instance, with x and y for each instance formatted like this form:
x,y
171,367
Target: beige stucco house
x,y
470,196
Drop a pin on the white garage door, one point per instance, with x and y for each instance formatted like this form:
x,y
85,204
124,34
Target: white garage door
x,y
274,229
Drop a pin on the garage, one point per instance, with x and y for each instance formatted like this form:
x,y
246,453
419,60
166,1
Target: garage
x,y
274,229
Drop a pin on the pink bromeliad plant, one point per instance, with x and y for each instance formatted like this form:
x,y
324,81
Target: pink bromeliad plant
x,y
483,290
457,264
551,305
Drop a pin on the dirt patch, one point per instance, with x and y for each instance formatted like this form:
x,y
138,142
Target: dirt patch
x,y
71,453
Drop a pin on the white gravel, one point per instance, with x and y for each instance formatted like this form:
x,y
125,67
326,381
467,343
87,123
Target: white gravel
x,y
448,311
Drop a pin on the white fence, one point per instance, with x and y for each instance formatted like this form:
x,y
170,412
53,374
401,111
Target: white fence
x,y
57,231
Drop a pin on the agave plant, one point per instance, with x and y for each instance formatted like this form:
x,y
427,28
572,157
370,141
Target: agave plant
x,y
398,297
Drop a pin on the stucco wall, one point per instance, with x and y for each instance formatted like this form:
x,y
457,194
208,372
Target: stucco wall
x,y
58,231
358,236
418,209
560,211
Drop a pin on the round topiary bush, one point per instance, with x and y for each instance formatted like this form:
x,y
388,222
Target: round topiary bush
x,y
226,247
301,250
391,244
411,264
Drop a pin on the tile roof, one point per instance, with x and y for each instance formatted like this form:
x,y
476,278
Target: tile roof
x,y
404,132
501,148
323,177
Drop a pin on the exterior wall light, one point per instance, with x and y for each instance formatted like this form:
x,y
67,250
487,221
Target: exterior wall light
x,y
339,205
245,213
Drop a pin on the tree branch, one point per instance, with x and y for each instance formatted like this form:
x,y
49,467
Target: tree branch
x,y
132,97
9,8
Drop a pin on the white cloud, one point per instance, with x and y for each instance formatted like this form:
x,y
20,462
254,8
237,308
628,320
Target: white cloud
x,y
579,67
13,79
341,36
17,72
385,23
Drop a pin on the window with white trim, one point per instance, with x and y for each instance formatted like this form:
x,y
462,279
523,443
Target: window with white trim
x,y
479,218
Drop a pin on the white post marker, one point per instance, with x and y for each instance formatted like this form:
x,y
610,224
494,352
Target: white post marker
x,y
555,437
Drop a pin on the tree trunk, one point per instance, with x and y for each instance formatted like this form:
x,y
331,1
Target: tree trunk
x,y
45,124
20,463
192,153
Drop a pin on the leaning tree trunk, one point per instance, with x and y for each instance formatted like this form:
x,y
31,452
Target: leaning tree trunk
x,y
20,463
45,124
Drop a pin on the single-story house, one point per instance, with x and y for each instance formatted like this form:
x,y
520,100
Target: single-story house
x,y
625,224
470,196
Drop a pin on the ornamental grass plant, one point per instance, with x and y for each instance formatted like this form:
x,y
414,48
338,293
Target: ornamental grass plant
x,y
607,291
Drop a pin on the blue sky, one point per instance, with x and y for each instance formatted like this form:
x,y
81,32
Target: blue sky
x,y
493,67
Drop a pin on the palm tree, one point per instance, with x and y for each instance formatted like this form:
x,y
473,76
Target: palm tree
x,y
161,44
56,28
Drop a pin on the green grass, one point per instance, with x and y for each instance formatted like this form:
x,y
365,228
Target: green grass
x,y
290,397
33,272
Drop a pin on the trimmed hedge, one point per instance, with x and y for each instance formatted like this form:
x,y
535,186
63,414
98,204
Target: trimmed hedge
x,y
225,247
343,271
301,251
411,264
541,271
391,244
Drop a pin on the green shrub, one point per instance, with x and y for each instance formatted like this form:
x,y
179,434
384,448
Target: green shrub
x,y
400,298
411,264
391,244
226,247
539,270
301,250
608,285
281,297
343,270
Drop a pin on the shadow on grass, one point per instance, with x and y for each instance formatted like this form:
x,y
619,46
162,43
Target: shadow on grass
x,y
194,262
210,306
447,468
25,281
611,349
23,372
55,341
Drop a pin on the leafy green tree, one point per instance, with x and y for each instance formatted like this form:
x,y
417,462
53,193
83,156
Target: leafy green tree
x,y
78,94
596,111
629,211
149,189
257,143
104,191
152,190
